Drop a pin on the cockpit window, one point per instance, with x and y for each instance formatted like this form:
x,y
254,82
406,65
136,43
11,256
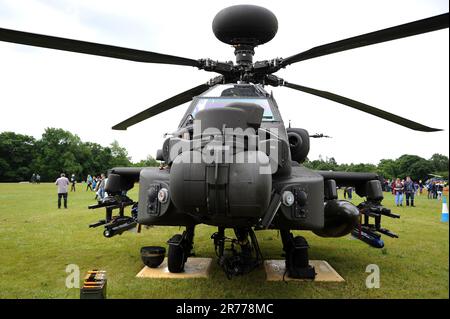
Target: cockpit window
x,y
204,103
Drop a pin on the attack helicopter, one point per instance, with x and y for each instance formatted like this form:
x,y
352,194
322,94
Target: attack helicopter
x,y
232,163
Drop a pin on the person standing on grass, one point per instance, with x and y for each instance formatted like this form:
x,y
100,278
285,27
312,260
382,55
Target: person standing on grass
x,y
420,187
96,188
429,191
433,190
388,185
89,182
73,181
100,189
94,183
63,184
439,190
416,189
409,191
398,190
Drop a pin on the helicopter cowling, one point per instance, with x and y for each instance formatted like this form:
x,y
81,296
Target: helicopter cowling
x,y
224,194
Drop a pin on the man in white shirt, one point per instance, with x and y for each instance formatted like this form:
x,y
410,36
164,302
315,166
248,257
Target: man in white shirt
x,y
63,184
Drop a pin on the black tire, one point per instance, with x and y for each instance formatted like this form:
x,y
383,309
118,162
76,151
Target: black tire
x,y
176,256
300,256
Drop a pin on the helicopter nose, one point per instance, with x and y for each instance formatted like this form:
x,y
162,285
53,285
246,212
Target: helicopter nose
x,y
236,189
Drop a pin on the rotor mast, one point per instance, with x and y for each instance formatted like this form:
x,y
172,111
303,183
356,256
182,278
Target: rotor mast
x,y
244,54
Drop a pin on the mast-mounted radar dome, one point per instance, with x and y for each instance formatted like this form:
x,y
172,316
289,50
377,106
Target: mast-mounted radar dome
x,y
245,27
245,24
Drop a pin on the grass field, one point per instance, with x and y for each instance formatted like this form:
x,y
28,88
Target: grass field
x,y
37,242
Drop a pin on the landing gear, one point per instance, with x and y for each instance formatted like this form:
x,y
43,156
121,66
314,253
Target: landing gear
x,y
296,253
237,262
180,248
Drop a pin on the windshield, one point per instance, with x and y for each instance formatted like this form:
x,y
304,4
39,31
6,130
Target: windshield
x,y
209,103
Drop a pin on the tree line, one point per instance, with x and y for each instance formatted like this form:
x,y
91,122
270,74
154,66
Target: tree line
x,y
61,151
418,168
58,151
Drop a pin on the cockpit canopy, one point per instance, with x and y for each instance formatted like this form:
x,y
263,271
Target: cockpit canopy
x,y
224,95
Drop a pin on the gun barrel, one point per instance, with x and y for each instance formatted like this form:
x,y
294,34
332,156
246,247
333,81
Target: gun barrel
x,y
112,230
99,223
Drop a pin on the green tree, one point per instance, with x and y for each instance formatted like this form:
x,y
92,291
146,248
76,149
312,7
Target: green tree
x,y
414,166
57,152
439,162
17,153
328,164
96,159
148,162
362,167
388,168
420,170
119,155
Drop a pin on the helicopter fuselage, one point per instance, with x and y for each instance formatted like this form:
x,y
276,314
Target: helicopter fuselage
x,y
248,176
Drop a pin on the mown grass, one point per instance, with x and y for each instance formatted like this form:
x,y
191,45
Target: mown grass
x,y
38,241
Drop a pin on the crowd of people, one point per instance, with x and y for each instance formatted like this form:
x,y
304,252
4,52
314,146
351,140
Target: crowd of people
x,y
96,184
35,178
435,190
93,183
408,189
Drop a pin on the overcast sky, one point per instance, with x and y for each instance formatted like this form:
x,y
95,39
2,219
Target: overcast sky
x,y
87,95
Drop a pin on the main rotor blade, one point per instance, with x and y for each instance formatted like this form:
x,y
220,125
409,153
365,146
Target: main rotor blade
x,y
163,106
401,31
363,107
110,51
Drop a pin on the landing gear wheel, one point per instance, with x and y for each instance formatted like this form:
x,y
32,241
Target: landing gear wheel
x,y
236,262
176,256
